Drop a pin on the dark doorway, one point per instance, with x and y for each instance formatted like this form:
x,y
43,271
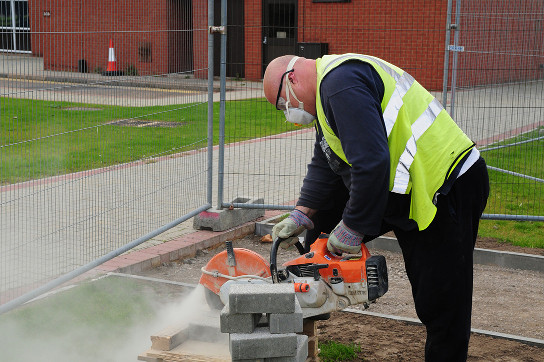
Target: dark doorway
x,y
180,38
235,39
279,29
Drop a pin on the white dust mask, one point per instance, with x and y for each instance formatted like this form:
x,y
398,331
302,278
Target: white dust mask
x,y
295,115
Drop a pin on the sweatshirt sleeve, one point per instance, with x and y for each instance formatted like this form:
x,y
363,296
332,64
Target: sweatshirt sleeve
x,y
351,95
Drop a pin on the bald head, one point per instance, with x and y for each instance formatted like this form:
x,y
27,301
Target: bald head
x,y
272,76
303,80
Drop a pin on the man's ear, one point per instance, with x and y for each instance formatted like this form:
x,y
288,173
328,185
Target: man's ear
x,y
292,78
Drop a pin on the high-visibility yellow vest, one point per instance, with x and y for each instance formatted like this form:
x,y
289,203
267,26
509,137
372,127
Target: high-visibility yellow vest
x,y
425,144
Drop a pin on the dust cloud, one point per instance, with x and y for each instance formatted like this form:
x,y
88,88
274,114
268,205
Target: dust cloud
x,y
90,340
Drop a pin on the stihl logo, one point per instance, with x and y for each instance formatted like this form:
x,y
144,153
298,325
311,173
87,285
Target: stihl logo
x,y
356,292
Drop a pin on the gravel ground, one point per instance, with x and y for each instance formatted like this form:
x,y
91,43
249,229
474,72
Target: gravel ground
x,y
505,301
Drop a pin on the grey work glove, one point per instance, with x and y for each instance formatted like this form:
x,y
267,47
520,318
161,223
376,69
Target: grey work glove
x,y
291,227
344,240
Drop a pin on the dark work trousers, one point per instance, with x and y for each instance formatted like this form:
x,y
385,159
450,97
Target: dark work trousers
x,y
438,261
439,265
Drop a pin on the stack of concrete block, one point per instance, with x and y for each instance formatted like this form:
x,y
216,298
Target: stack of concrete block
x,y
263,321
198,340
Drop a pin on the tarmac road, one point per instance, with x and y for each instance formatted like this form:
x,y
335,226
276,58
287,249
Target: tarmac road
x,y
99,92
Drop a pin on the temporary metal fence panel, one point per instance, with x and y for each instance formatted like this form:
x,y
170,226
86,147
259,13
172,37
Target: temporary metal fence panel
x,y
265,157
104,132
482,59
496,59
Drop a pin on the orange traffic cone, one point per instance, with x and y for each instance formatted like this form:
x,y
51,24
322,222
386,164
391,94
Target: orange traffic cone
x,y
112,62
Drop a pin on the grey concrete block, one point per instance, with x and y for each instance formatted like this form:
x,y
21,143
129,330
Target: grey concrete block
x,y
287,323
509,260
223,219
262,344
262,298
302,352
503,259
237,322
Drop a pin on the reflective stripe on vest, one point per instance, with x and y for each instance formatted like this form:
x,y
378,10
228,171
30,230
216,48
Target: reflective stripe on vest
x,y
402,174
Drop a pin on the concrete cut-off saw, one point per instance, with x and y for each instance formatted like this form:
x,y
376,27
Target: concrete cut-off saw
x,y
323,282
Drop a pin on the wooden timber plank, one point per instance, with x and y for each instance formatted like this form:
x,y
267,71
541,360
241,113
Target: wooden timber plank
x,y
192,350
147,358
169,338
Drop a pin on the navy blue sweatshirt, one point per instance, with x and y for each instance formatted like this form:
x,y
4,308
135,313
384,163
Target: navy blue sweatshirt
x,y
351,95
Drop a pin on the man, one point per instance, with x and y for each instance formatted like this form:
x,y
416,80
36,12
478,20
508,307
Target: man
x,y
388,157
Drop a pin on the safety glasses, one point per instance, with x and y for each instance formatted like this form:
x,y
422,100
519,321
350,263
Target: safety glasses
x,y
280,102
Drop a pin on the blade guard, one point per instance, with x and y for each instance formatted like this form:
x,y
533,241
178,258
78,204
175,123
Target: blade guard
x,y
248,262
351,268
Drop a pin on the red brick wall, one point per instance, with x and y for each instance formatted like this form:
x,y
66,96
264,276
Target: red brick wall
x,y
200,38
180,38
500,44
409,34
253,39
80,29
387,29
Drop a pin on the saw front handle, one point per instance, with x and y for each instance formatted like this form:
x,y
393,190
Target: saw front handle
x,y
274,254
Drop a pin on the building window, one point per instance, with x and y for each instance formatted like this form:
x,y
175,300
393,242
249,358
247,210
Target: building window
x,y
14,26
144,52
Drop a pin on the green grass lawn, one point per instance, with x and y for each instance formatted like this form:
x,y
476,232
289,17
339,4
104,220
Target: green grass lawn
x,y
513,195
43,138
522,233
332,351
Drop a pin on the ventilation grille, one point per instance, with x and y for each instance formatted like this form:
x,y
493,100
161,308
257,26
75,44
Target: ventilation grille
x,y
303,270
372,275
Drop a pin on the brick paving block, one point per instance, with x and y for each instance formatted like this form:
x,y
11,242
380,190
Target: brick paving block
x,y
189,250
179,243
262,344
238,322
287,323
138,256
302,352
107,267
262,298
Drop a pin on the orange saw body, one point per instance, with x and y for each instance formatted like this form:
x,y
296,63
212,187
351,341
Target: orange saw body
x,y
323,282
